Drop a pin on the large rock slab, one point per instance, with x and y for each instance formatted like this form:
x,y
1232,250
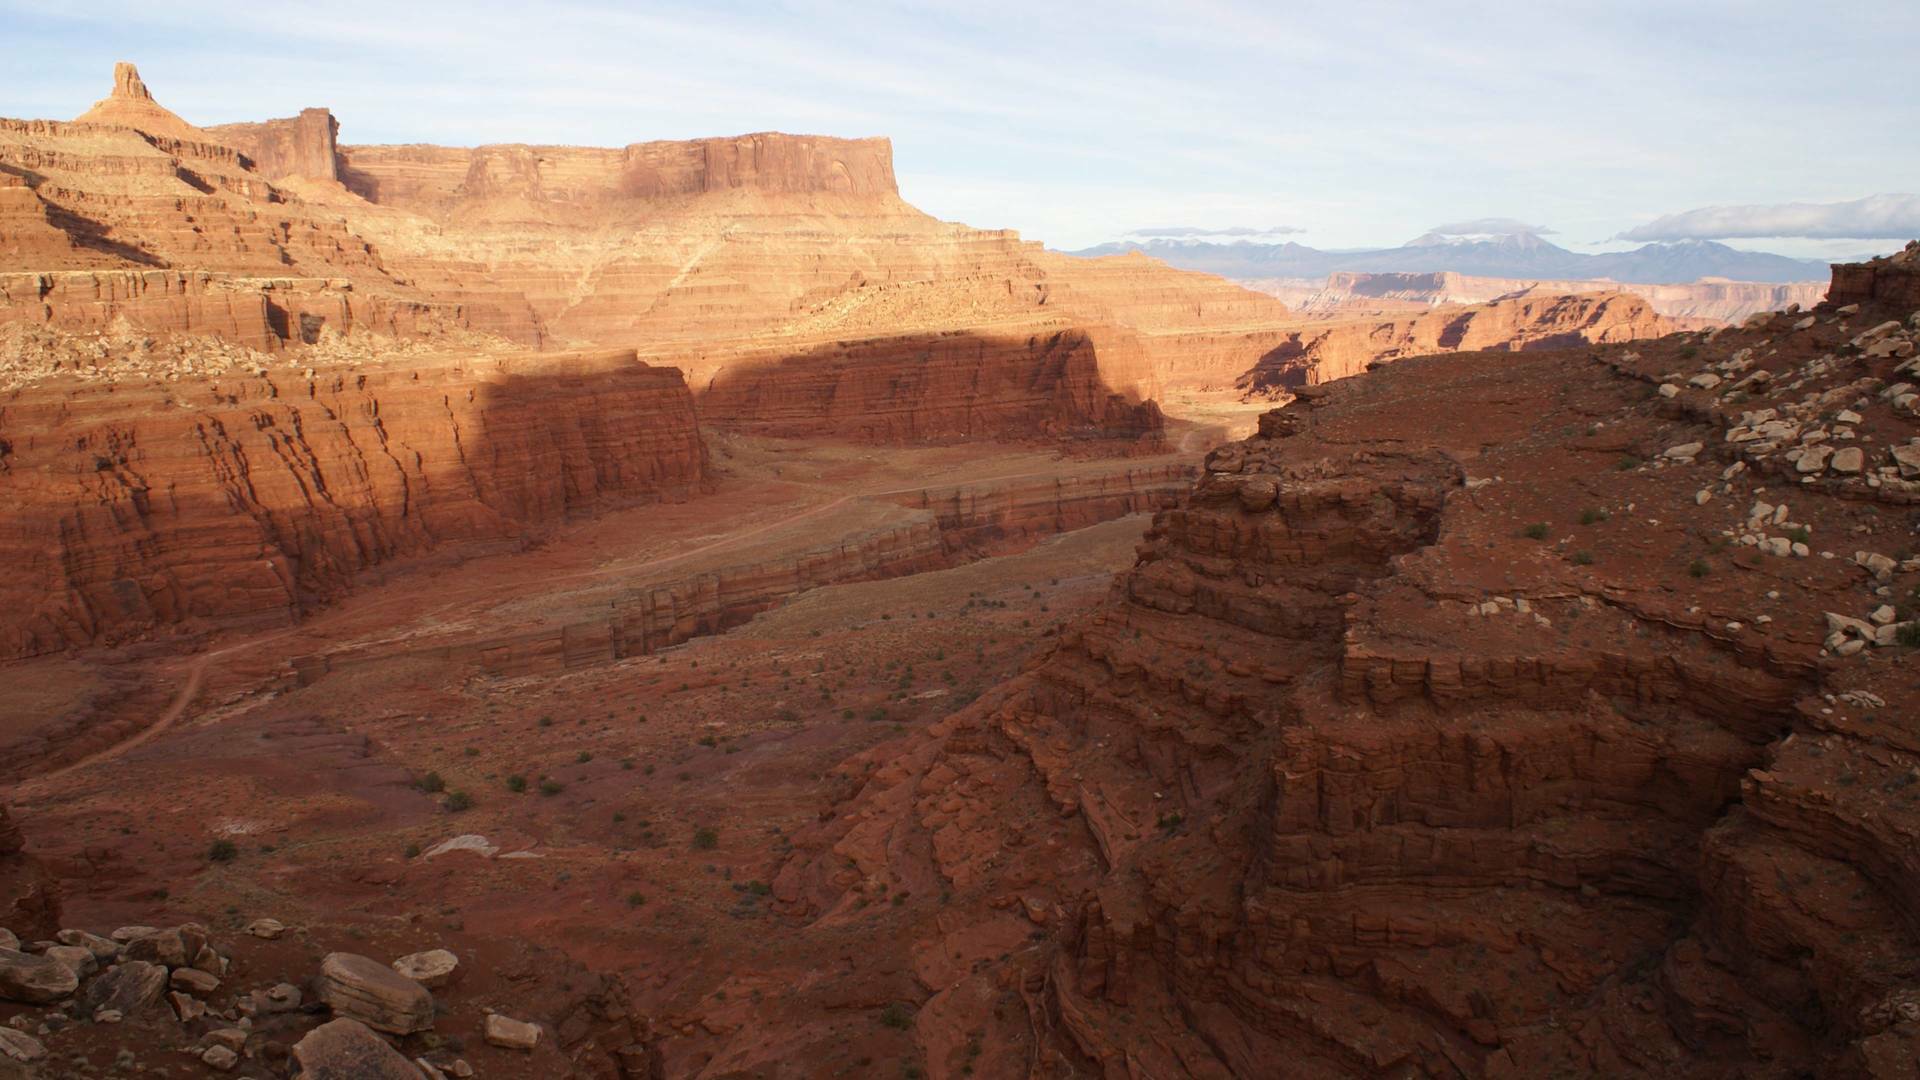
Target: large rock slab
x,y
34,980
126,988
364,989
346,1049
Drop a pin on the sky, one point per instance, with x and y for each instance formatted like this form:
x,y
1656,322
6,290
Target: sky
x,y
1335,124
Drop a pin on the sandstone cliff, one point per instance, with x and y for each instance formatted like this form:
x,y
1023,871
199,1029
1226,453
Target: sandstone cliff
x,y
1348,295
1468,721
1324,352
147,503
933,388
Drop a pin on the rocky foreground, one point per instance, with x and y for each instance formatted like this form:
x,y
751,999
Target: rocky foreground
x,y
1490,715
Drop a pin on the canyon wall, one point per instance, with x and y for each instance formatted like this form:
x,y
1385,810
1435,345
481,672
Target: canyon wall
x,y
1464,722
436,180
1350,294
298,146
1323,352
932,388
146,504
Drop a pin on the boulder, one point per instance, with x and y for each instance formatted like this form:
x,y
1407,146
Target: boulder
x,y
80,959
34,980
174,947
266,928
20,1046
193,981
346,1049
102,948
512,1034
219,1058
125,988
1849,459
432,969
364,989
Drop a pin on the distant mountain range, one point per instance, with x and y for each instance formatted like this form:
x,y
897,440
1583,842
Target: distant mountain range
x,y
1513,255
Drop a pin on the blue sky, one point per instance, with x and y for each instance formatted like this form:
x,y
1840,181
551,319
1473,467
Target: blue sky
x,y
1358,123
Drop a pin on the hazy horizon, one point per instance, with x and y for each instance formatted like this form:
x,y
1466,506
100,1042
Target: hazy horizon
x,y
1362,127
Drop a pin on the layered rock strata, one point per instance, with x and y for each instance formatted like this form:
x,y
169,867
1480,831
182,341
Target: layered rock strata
x,y
1327,351
1466,721
144,504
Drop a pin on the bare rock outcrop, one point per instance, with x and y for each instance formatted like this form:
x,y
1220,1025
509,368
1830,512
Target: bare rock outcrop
x,y
144,503
1452,726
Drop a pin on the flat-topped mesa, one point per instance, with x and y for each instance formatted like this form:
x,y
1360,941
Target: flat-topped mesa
x,y
131,105
434,179
297,146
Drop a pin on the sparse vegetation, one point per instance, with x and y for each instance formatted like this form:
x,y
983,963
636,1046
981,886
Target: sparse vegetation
x,y
896,1017
1908,635
516,782
1583,558
1699,568
1536,531
457,801
432,783
705,838
1592,516
550,786
223,851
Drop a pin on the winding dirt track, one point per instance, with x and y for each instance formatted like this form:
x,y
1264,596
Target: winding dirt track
x,y
197,669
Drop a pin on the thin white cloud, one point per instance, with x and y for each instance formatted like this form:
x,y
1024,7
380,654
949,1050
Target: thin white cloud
x,y
1493,226
1876,217
1242,232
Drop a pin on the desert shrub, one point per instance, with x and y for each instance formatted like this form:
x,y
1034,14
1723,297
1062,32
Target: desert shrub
x,y
1536,531
1583,558
223,851
896,1017
550,786
432,783
516,782
1699,568
705,838
457,801
1592,516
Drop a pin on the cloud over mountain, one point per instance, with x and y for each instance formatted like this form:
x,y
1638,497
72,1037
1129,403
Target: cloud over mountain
x,y
1171,232
1876,217
1489,227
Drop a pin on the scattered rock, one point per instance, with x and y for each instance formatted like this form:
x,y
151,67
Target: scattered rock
x,y
34,980
1684,452
266,928
231,1038
20,1046
1850,459
510,1033
80,959
220,1058
102,948
346,1049
126,988
186,1007
431,969
193,981
364,989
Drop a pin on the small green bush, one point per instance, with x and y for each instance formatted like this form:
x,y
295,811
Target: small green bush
x,y
550,786
1592,516
1536,531
432,784
1908,634
457,801
896,1017
705,839
223,851
1699,568
516,782
1583,558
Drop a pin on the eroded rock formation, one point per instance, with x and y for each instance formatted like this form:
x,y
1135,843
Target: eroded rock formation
x,y
146,502
1346,295
1323,352
1468,720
